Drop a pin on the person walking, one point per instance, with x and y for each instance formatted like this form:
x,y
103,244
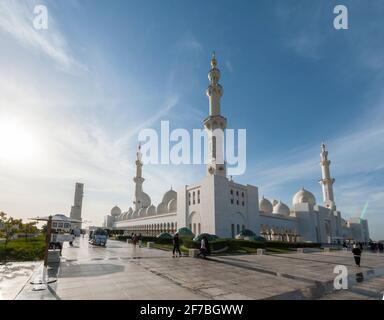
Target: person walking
x,y
72,238
356,251
176,245
140,239
204,247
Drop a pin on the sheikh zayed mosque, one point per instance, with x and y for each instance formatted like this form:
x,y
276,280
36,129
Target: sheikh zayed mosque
x,y
218,205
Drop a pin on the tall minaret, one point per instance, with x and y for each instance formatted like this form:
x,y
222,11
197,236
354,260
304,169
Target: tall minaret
x,y
215,123
326,180
138,179
77,204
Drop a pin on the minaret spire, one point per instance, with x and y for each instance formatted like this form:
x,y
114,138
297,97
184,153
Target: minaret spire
x,y
326,180
215,123
138,179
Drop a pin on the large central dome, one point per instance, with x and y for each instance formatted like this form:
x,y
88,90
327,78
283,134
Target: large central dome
x,y
304,196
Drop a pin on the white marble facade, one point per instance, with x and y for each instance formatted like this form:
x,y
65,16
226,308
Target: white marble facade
x,y
218,205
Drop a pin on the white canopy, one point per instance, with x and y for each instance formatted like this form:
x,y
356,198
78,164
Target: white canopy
x,y
56,218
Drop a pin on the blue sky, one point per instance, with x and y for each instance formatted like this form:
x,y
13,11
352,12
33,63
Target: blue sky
x,y
75,96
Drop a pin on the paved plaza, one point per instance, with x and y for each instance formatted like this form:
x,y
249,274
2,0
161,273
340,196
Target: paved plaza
x,y
121,271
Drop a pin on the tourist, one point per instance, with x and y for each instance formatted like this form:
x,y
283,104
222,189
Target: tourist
x,y
72,238
356,251
204,247
134,239
139,238
176,245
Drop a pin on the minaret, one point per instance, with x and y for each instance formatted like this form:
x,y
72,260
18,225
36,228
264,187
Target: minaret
x,y
326,180
138,179
215,123
77,204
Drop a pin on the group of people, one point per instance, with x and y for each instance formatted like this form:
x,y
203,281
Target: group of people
x,y
204,247
376,246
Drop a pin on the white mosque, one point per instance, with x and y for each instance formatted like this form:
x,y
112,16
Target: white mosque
x,y
218,205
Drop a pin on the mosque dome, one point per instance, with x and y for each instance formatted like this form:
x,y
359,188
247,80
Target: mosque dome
x,y
129,213
304,196
151,210
116,211
265,205
143,200
172,205
135,214
168,196
281,208
125,215
142,212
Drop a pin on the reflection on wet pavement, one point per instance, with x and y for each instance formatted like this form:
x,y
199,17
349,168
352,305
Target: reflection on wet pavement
x,y
121,271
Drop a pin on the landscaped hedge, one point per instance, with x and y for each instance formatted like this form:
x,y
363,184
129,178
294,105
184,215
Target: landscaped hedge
x,y
145,239
23,249
280,244
231,244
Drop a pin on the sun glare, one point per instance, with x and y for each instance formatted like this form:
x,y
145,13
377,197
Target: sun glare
x,y
18,144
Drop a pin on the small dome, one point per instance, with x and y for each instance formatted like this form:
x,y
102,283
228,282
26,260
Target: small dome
x,y
129,213
281,208
116,211
304,196
125,215
141,212
162,208
135,214
151,210
265,205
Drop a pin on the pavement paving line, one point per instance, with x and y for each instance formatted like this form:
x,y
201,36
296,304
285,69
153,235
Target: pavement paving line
x,y
27,282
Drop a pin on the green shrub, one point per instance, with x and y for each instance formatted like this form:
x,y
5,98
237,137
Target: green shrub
x,y
210,237
280,244
185,233
189,243
165,235
23,249
246,233
145,239
232,244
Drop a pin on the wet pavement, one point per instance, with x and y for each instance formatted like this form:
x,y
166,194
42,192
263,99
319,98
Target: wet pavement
x,y
13,277
121,271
